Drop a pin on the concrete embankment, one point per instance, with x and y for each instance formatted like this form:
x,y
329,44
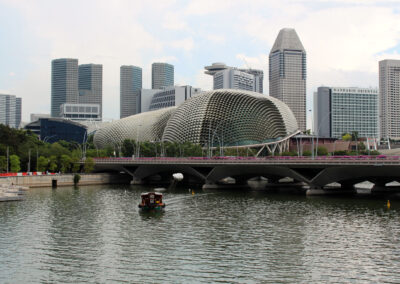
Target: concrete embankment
x,y
68,179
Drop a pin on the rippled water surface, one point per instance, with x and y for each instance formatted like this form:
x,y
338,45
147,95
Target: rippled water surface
x,y
96,234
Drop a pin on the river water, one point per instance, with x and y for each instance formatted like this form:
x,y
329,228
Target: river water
x,y
96,234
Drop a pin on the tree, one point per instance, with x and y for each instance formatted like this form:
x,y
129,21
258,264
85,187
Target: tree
x,y
3,163
347,137
322,151
43,162
127,148
307,153
75,165
89,165
354,136
53,163
65,163
15,164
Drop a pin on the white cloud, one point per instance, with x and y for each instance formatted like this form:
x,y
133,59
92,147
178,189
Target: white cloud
x,y
11,74
217,39
173,21
186,44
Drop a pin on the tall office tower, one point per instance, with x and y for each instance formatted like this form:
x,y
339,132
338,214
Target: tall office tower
x,y
389,98
345,110
162,75
130,85
230,77
10,110
287,73
64,83
90,85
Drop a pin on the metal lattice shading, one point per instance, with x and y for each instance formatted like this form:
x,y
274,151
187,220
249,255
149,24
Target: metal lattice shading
x,y
230,117
146,126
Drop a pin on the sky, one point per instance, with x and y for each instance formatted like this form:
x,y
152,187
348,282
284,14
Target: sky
x,y
344,41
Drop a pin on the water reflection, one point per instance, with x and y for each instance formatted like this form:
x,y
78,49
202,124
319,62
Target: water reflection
x,y
97,234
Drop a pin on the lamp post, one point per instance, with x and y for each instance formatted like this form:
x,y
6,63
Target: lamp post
x,y
137,141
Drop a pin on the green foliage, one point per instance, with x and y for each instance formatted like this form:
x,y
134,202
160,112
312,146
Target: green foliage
x,y
3,164
52,164
128,148
64,163
15,164
374,152
361,146
287,153
340,153
307,153
322,151
347,137
75,165
89,165
77,178
43,163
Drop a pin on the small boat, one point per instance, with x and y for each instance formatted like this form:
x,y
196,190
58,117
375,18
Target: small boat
x,y
151,201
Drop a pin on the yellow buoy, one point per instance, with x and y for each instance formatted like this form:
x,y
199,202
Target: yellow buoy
x,y
388,204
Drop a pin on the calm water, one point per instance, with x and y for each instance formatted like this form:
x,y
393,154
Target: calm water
x,y
96,234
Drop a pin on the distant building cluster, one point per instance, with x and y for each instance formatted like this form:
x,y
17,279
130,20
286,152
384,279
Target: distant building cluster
x,y
77,93
74,86
134,99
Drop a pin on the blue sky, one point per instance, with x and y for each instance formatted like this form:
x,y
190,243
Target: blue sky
x,y
344,40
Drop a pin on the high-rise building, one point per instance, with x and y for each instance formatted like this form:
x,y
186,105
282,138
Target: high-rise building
x,y
389,98
64,83
287,73
90,85
130,85
225,77
10,110
342,110
162,75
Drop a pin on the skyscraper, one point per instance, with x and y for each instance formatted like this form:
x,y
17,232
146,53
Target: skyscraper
x,y
64,83
346,110
162,75
130,85
389,98
90,84
10,110
287,73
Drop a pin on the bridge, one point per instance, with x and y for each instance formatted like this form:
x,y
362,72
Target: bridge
x,y
314,172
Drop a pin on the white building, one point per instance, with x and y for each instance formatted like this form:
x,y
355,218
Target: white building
x,y
389,98
80,112
342,110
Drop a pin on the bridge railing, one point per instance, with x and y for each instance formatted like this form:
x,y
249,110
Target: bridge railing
x,y
380,159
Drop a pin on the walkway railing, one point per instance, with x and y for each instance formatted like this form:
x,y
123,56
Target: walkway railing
x,y
321,160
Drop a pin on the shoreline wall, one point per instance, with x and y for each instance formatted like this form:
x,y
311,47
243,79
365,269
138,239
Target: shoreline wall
x,y
68,179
